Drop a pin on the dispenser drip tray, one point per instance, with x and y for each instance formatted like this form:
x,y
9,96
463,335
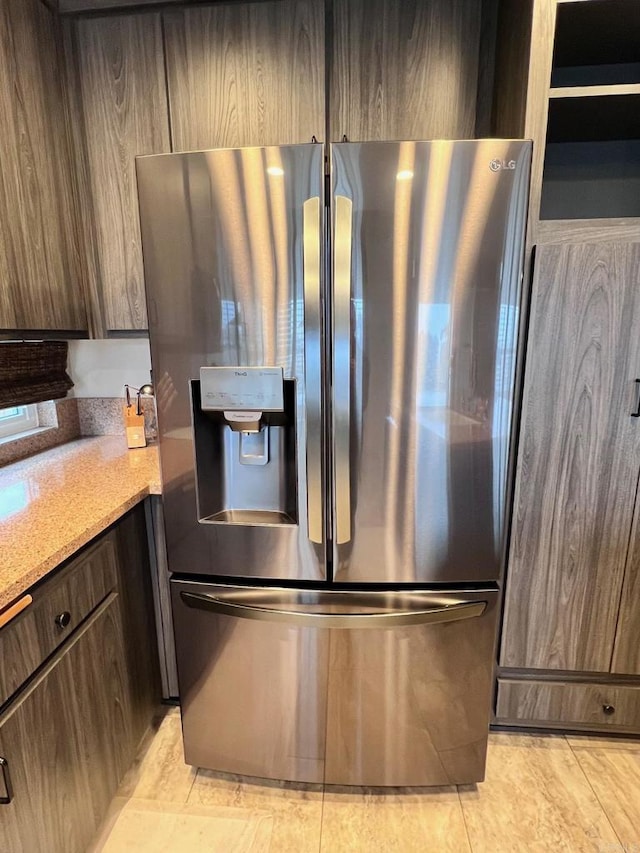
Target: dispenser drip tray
x,y
248,516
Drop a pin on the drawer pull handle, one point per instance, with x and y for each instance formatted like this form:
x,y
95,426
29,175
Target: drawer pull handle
x,y
8,788
608,709
63,619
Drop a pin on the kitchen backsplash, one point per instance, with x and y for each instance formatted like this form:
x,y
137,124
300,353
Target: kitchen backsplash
x,y
59,423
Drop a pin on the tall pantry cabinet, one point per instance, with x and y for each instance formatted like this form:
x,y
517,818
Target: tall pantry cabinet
x,y
569,654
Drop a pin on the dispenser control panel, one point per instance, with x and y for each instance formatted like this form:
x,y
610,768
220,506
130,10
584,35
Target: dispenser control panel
x,y
241,389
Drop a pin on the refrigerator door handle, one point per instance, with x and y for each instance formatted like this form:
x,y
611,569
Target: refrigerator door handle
x,y
342,365
392,618
312,365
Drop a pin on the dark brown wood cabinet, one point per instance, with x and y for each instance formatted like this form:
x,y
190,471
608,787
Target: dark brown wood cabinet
x,y
136,605
120,111
40,261
404,70
64,742
579,458
71,731
246,74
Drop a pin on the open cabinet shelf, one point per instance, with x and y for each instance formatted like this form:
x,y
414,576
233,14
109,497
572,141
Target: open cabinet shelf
x,y
592,158
597,43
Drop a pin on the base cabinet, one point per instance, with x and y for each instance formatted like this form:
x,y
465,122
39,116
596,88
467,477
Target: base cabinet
x,y
570,628
65,743
590,706
69,733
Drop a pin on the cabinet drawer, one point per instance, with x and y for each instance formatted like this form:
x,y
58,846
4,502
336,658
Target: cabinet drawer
x,y
83,585
58,607
569,705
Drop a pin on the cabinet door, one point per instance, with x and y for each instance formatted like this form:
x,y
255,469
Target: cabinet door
x,y
136,605
626,652
38,253
404,70
578,459
246,74
67,741
120,63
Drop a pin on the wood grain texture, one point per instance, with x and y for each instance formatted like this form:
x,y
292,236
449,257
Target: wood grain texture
x,y
626,650
537,107
588,230
575,485
81,186
38,258
246,74
27,642
123,94
512,68
77,590
568,704
103,705
404,70
136,603
59,741
20,653
594,91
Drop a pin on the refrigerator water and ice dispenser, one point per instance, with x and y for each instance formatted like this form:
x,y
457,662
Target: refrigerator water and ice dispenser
x,y
244,429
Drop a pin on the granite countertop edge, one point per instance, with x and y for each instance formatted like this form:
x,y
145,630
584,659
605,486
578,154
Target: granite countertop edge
x,y
54,503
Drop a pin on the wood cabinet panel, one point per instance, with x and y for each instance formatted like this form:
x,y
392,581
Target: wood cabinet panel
x,y
246,74
404,70
63,741
26,642
120,64
20,652
569,704
39,259
577,467
626,650
136,603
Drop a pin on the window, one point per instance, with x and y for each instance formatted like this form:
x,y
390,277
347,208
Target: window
x,y
17,419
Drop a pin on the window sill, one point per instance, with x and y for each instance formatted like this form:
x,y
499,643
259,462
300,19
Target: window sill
x,y
28,433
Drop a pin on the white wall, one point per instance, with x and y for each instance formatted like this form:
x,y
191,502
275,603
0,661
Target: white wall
x,y
102,368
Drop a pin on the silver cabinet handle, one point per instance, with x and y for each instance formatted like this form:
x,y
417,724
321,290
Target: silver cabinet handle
x,y
312,365
453,612
8,788
342,364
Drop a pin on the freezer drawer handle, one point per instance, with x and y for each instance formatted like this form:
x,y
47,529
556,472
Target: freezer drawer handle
x,y
4,801
317,619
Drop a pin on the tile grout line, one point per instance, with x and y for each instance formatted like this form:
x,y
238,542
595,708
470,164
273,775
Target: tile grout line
x,y
604,811
464,819
324,789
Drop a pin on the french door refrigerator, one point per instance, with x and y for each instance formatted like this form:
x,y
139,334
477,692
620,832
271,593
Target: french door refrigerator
x,y
333,335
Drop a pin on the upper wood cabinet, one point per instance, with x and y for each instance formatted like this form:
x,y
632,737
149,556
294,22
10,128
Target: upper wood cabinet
x,y
123,110
246,74
404,70
579,457
40,273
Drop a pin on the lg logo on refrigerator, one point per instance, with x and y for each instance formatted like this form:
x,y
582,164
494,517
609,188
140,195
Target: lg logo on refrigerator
x,y
497,165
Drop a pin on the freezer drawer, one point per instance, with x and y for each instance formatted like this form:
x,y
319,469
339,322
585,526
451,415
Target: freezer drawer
x,y
348,688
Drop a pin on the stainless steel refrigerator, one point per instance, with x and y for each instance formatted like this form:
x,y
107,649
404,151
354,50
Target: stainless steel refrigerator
x,y
334,334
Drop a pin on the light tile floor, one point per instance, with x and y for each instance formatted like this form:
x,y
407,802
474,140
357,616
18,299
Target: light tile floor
x,y
542,793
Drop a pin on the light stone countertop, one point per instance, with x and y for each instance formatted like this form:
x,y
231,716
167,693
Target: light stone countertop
x,y
53,503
